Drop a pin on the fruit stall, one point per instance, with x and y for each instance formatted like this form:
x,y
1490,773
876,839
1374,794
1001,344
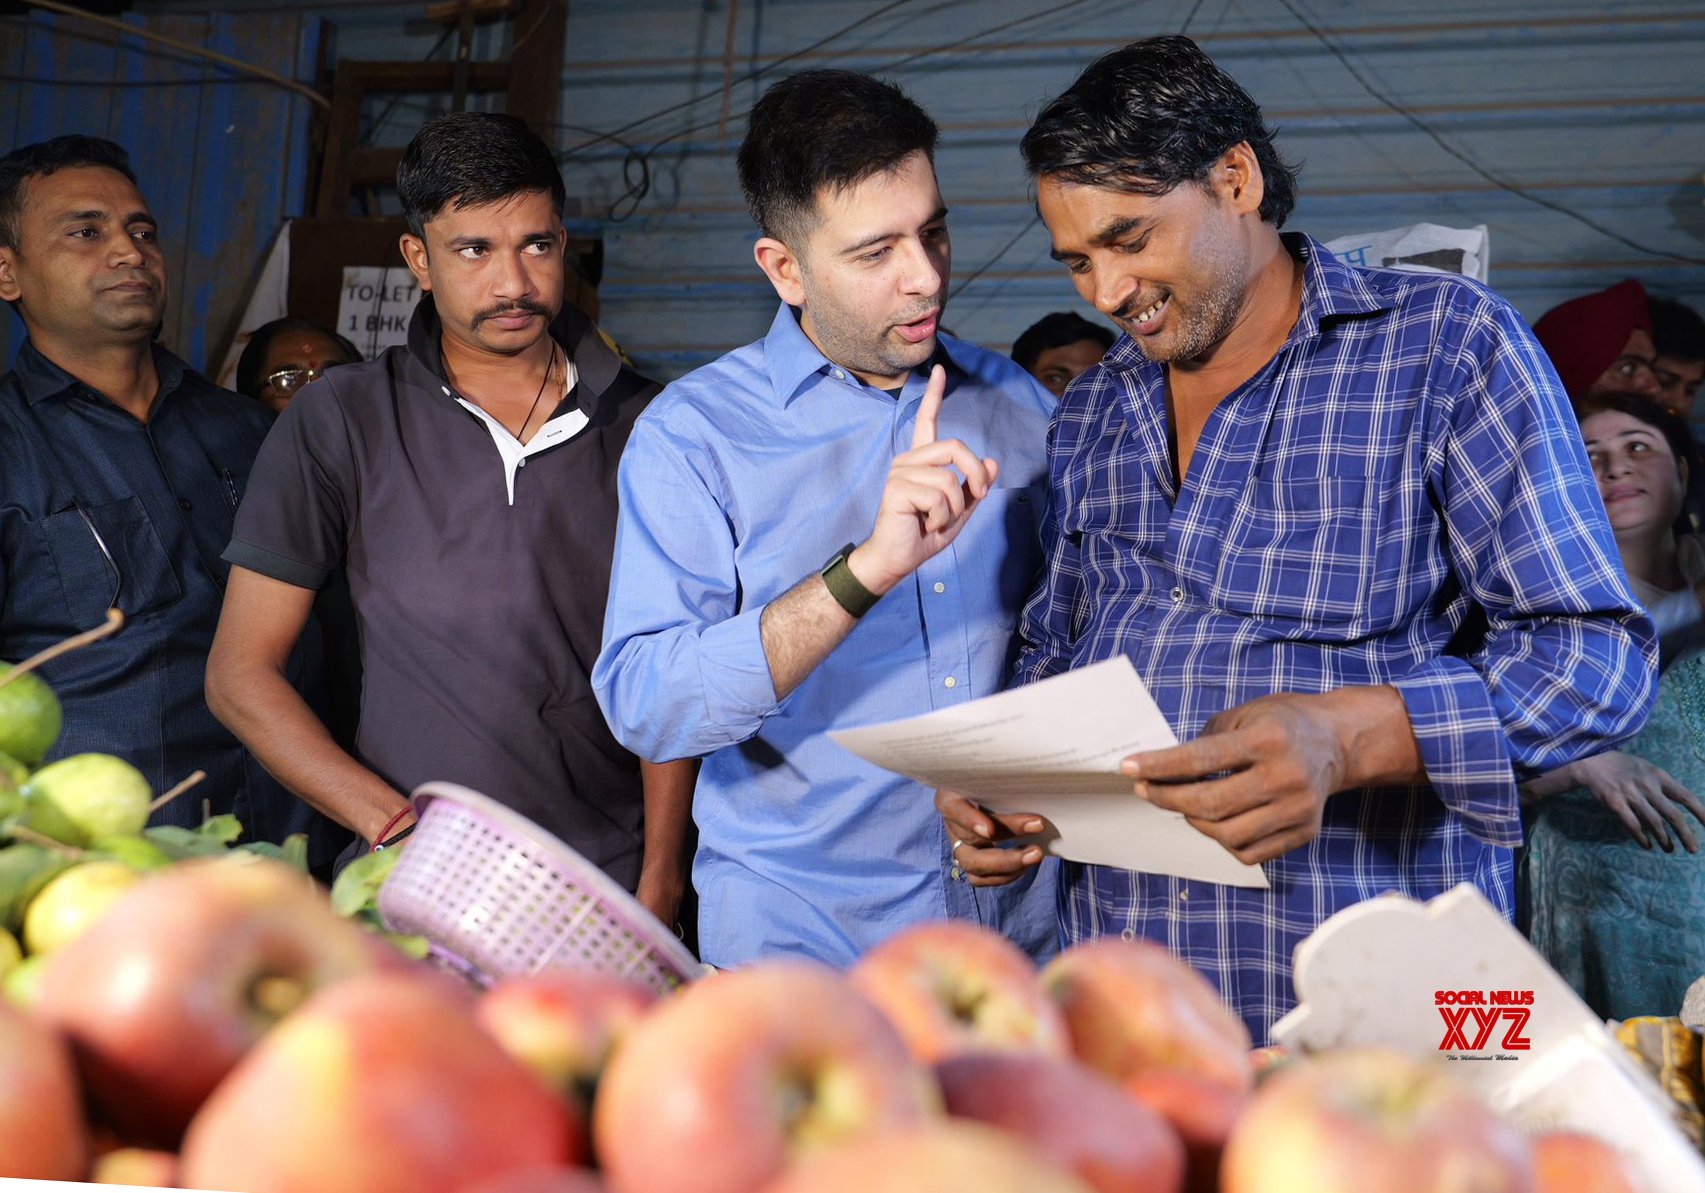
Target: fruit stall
x,y
480,1011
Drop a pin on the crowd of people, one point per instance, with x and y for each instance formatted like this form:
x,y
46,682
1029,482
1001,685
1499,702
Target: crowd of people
x,y
1418,587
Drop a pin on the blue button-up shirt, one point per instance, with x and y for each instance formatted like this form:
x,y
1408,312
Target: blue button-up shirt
x,y
97,507
738,482
1400,496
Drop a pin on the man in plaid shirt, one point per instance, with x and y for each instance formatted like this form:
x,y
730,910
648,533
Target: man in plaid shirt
x,y
1341,521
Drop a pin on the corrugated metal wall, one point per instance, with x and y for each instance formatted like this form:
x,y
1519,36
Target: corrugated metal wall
x,y
220,158
1594,111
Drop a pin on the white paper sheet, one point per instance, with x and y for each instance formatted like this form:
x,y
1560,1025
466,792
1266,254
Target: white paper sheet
x,y
1054,748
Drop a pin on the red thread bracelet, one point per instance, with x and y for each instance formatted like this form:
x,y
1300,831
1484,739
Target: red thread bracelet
x,y
384,833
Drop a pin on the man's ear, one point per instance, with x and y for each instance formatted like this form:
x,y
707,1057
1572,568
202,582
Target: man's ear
x,y
414,256
1237,179
9,288
784,269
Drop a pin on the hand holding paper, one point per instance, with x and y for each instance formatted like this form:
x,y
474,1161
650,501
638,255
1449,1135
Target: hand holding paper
x,y
1054,749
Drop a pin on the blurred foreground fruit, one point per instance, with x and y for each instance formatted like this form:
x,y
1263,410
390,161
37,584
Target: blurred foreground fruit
x,y
42,1134
96,794
951,987
1202,1113
1132,1006
933,1158
727,1080
564,1024
1071,1114
183,975
30,717
383,1084
136,1166
73,902
1367,1119
1566,1162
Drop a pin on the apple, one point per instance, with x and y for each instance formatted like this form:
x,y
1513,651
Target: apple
x,y
951,987
542,1180
30,716
1130,1006
1201,1112
1069,1113
381,1084
1569,1162
563,1024
73,902
726,1080
96,794
136,1166
42,1132
929,1159
1370,1118
164,994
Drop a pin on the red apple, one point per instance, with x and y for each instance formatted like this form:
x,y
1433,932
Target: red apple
x,y
723,1082
542,1180
1362,1119
381,1084
1069,1113
1201,1112
163,994
143,1166
563,1024
1131,1006
929,1159
42,1132
952,987
1569,1162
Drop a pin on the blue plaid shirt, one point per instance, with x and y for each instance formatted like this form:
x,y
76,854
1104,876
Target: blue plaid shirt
x,y
1400,496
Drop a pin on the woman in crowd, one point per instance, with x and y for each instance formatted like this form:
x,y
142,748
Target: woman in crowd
x,y
1616,917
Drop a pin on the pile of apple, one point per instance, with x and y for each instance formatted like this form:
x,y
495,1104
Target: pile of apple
x,y
222,1027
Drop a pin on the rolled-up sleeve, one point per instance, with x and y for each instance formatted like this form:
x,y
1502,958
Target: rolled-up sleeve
x,y
1567,664
682,671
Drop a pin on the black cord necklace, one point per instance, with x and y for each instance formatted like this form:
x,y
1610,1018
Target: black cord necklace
x,y
550,367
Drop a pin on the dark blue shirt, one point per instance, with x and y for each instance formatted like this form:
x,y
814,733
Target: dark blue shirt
x,y
97,508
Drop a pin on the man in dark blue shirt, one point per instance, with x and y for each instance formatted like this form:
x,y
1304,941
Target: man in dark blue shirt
x,y
120,473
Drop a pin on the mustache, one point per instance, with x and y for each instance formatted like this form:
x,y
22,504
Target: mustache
x,y
525,306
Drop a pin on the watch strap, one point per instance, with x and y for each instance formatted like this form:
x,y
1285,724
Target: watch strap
x,y
849,594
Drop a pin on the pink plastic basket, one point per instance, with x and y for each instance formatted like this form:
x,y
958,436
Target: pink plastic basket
x,y
496,896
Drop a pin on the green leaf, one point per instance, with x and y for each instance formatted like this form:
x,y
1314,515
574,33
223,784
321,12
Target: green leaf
x,y
181,844
356,888
296,851
227,829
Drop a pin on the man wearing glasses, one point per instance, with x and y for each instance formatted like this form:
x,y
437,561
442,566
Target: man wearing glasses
x,y
284,355
120,474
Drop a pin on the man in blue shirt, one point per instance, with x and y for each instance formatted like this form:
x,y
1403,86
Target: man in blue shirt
x,y
727,636
120,473
1340,520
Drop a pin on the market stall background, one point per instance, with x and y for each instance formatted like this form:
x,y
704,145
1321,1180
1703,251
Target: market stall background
x,y
1572,129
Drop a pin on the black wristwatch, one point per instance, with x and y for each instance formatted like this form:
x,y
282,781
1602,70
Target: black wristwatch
x,y
849,594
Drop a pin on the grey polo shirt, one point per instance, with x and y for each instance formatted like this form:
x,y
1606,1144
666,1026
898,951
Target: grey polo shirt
x,y
478,581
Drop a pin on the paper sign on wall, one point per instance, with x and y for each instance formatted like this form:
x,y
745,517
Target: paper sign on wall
x,y
374,307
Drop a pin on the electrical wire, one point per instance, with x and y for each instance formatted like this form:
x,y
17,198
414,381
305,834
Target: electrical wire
x,y
991,262
1503,185
183,47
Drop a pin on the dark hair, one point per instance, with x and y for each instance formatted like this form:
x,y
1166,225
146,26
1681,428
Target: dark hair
x,y
824,129
1056,331
249,364
1147,117
1671,426
1677,329
468,159
43,158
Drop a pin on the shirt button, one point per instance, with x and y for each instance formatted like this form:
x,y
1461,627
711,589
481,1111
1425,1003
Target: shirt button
x,y
1177,595
1184,896
1128,934
950,682
184,504
840,376
521,463
940,587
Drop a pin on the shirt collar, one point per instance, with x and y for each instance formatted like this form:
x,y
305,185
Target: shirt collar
x,y
1330,290
40,378
595,360
791,359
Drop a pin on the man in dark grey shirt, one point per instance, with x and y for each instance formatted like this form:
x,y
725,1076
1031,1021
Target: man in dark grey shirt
x,y
466,482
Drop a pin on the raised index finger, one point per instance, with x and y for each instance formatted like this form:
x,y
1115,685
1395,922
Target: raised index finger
x,y
923,431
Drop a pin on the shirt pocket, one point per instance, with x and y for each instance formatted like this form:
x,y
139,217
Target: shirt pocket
x,y
138,567
1302,551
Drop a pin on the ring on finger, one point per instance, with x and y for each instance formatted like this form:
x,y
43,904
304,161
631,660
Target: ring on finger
x,y
957,843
